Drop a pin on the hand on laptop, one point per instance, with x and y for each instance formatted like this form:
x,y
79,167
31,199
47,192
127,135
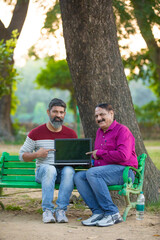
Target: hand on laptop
x,y
43,152
93,153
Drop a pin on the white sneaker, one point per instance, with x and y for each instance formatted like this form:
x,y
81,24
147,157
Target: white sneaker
x,y
117,218
61,216
92,220
48,216
109,220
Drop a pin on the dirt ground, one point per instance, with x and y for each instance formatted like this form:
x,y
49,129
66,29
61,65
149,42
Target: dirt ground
x,y
22,219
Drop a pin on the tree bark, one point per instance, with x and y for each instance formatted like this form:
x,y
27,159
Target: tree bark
x,y
17,21
97,72
6,131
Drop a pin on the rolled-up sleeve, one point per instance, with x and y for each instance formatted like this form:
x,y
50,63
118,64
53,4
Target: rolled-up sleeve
x,y
28,146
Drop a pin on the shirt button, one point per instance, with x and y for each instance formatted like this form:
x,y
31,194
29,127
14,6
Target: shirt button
x,y
98,162
101,144
103,136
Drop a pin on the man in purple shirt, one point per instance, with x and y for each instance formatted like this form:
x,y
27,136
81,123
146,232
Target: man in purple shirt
x,y
114,149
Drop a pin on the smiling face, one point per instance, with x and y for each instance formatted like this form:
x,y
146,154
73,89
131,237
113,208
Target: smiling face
x,y
104,118
56,116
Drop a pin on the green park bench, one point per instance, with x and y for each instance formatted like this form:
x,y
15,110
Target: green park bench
x,y
17,174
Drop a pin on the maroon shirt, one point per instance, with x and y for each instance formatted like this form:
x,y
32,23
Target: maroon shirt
x,y
42,133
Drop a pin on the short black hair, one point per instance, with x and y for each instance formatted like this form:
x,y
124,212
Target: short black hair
x,y
56,102
106,106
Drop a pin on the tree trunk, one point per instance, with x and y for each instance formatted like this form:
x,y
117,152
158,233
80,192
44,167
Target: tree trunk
x,y
97,72
6,131
17,21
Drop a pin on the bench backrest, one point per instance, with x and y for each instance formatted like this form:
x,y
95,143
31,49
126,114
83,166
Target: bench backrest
x,y
12,169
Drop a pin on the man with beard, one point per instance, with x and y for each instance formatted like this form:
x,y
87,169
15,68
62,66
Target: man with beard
x,y
114,150
39,145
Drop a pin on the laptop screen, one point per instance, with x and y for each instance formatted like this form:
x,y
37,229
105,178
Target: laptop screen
x,y
73,151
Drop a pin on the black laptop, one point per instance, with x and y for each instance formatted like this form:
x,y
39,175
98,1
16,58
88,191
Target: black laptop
x,y
73,151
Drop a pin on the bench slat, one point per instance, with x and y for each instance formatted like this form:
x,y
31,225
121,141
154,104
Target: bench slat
x,y
20,184
23,185
115,187
19,178
12,158
19,165
19,171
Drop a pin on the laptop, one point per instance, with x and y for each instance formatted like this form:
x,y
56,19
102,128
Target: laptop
x,y
73,151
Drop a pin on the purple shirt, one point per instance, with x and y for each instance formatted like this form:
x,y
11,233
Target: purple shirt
x,y
115,146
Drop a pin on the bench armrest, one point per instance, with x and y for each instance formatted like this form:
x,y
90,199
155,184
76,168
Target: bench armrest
x,y
127,179
1,164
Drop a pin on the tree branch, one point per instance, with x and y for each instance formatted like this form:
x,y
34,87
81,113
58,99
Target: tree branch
x,y
142,14
19,15
3,30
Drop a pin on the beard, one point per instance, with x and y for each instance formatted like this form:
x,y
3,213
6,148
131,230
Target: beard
x,y
56,122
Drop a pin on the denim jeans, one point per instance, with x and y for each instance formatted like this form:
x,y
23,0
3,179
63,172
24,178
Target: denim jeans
x,y
48,175
93,187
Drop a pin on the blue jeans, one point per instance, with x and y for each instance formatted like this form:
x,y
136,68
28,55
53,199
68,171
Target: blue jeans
x,y
48,175
93,187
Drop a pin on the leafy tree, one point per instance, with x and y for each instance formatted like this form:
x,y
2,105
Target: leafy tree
x,y
146,15
6,54
8,76
149,113
38,114
56,75
97,72
145,64
29,96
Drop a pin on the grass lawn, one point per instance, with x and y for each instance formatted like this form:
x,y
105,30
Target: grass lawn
x,y
155,156
152,143
153,149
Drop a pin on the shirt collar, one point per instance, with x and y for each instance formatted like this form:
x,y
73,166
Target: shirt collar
x,y
114,123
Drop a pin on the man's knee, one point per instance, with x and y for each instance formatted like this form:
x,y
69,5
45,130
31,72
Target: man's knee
x,y
48,171
68,171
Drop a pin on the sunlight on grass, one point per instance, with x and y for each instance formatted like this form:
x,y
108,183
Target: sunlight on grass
x,y
152,143
153,149
155,156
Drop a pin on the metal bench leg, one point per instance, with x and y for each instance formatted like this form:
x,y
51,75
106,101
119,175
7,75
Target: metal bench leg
x,y
126,212
129,205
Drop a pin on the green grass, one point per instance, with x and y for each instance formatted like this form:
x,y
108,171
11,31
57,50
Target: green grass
x,y
13,208
79,206
154,153
152,143
40,211
155,156
153,207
